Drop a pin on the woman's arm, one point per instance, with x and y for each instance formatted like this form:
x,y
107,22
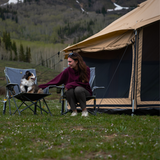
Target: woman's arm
x,y
58,80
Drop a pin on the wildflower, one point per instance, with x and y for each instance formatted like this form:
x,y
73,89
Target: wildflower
x,y
110,156
112,124
155,144
50,147
81,152
60,131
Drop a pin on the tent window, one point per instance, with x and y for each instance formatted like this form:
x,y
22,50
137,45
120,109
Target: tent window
x,y
150,78
106,63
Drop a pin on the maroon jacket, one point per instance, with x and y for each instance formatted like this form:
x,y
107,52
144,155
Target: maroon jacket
x,y
70,78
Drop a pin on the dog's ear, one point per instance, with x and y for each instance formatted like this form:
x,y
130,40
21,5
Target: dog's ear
x,y
27,74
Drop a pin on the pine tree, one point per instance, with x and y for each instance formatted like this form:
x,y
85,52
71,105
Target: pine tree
x,y
28,54
21,53
4,37
10,56
104,11
16,19
3,17
14,48
7,40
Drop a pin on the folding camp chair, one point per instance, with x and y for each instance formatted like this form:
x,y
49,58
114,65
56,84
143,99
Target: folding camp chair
x,y
13,78
92,83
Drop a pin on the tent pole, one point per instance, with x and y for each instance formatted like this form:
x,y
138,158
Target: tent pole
x,y
134,73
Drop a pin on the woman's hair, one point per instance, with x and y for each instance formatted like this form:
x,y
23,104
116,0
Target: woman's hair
x,y
82,67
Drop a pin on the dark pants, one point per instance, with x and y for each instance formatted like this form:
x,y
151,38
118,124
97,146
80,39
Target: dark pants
x,y
78,94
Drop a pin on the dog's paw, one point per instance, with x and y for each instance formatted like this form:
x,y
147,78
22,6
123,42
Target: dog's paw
x,y
40,91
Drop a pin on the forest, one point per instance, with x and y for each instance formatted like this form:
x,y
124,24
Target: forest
x,y
34,25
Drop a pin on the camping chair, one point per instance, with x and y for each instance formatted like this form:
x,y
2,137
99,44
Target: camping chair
x,y
60,89
13,78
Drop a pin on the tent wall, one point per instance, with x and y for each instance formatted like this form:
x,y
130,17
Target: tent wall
x,y
148,90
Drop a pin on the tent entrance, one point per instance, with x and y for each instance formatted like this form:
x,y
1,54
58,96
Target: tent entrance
x,y
149,80
117,84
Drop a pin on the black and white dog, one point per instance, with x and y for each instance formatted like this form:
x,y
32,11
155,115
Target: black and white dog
x,y
28,84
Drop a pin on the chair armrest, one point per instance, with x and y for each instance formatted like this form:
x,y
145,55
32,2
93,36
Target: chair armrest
x,y
46,90
11,86
97,87
54,86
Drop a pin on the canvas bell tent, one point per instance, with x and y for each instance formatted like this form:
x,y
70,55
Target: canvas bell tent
x,y
126,55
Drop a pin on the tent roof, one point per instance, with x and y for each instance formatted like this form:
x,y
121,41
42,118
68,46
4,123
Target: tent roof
x,y
119,33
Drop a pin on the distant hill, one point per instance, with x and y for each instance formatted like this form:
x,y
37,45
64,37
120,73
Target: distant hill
x,y
59,21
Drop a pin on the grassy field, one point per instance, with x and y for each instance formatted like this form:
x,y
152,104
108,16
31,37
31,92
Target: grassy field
x,y
57,137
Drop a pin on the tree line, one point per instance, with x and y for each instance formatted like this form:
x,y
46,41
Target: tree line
x,y
8,13
52,22
11,47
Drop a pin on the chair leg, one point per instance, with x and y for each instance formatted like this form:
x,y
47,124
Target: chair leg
x,y
4,106
35,108
62,110
9,106
29,107
18,108
95,105
69,110
40,107
93,113
47,107
16,105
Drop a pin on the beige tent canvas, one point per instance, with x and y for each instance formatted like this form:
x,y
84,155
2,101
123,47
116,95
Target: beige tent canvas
x,y
126,57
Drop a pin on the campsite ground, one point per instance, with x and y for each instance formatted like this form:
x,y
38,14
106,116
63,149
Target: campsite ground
x,y
57,137
105,136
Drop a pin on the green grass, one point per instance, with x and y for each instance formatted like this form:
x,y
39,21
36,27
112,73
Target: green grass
x,y
105,136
